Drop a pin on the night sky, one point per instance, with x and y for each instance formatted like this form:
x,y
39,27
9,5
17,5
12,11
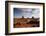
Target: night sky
x,y
26,12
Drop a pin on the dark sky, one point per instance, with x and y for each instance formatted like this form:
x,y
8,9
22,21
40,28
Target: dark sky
x,y
26,12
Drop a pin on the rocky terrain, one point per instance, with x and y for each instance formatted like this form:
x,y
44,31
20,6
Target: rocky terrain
x,y
26,22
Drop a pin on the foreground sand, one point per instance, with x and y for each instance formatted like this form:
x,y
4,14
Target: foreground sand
x,y
25,25
25,22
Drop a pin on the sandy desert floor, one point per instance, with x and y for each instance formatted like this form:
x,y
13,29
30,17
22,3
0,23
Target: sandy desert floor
x,y
20,23
25,25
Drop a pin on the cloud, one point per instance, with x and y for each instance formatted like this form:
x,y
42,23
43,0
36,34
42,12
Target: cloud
x,y
27,12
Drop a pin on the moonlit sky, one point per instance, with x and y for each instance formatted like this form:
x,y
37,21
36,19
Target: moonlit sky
x,y
26,12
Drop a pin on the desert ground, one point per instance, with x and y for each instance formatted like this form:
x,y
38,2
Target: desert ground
x,y
26,22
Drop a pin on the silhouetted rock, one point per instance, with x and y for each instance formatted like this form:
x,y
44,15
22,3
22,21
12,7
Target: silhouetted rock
x,y
32,17
22,16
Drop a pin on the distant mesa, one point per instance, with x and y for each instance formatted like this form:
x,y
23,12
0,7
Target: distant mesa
x,y
28,17
32,17
22,16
